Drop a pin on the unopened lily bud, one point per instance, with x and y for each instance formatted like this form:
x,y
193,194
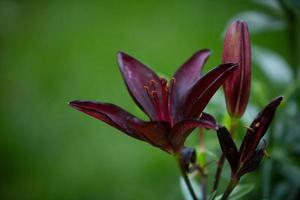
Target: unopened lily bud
x,y
237,50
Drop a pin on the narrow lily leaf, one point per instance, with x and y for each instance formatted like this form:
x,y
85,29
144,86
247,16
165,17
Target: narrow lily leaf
x,y
228,148
273,65
271,4
237,50
185,190
258,128
109,113
205,88
238,192
187,75
155,133
137,75
183,128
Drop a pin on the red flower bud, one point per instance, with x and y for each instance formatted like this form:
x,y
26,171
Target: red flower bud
x,y
237,50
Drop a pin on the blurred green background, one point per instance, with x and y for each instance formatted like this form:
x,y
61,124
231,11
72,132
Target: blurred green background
x,y
56,51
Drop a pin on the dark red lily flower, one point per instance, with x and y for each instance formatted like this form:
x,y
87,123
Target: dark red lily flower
x,y
248,157
237,50
174,108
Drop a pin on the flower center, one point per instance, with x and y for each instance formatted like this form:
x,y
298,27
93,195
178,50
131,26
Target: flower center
x,y
161,96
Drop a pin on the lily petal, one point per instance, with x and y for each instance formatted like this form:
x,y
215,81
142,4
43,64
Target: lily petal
x,y
237,50
228,148
137,75
209,118
109,113
252,163
155,133
186,76
258,128
182,129
205,88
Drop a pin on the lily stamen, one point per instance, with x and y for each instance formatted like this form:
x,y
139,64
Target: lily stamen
x,y
249,128
151,97
157,104
153,85
165,96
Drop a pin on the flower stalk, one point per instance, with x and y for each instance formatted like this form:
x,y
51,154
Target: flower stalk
x,y
202,169
185,176
233,182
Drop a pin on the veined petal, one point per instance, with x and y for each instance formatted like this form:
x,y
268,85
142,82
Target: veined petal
x,y
210,119
137,75
252,163
205,88
186,76
258,129
109,113
237,50
182,129
228,148
155,133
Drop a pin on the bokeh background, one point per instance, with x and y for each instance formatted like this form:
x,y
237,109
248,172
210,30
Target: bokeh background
x,y
52,52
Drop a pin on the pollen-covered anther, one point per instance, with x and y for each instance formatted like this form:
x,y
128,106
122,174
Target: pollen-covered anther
x,y
173,80
153,84
154,94
200,115
257,125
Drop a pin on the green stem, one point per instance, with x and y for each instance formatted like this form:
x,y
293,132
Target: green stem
x,y
204,187
233,182
218,172
291,19
202,169
185,177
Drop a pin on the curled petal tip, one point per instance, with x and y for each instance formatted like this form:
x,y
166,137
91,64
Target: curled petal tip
x,y
208,51
121,54
275,102
73,103
77,103
278,99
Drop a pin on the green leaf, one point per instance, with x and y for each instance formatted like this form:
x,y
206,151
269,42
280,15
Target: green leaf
x,y
212,195
185,190
271,4
273,65
201,157
260,22
204,155
238,192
